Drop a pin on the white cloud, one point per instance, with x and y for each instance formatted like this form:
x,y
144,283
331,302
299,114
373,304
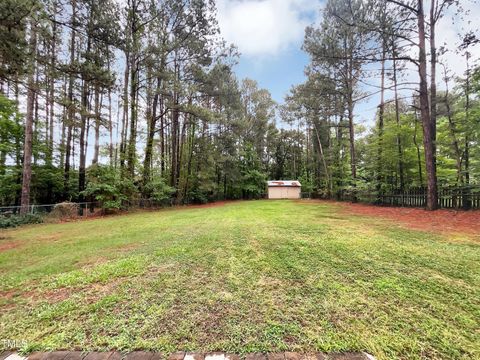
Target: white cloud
x,y
450,30
265,27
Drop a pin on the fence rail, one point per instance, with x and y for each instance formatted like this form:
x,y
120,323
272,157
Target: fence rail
x,y
44,209
467,197
85,208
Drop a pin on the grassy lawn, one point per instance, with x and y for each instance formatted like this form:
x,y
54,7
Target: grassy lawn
x,y
243,277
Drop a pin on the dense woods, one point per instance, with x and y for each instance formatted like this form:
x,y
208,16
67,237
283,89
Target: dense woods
x,y
120,101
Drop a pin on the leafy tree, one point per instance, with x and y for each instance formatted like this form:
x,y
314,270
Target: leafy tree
x,y
106,186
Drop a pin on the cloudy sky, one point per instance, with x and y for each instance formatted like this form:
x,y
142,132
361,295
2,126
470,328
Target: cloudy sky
x,y
269,35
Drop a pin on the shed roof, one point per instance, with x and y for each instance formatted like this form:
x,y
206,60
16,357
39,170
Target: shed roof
x,y
289,183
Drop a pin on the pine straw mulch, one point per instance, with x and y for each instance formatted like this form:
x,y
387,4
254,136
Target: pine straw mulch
x,y
440,221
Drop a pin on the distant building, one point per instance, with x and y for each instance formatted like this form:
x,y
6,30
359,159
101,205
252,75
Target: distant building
x,y
284,189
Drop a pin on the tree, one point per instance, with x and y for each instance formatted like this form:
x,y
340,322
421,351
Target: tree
x,y
338,49
175,125
31,92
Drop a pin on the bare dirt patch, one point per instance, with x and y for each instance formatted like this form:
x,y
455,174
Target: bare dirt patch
x,y
9,245
4,246
9,294
52,296
439,221
92,293
126,248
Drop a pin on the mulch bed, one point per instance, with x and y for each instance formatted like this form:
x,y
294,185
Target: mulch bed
x,y
439,221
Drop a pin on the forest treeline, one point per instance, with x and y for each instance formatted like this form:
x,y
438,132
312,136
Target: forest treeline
x,y
118,101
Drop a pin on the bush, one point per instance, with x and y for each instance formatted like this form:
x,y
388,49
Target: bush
x,y
17,220
159,191
197,196
106,186
64,210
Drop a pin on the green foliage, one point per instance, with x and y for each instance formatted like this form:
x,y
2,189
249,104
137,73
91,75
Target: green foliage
x,y
10,126
17,220
158,190
47,184
209,135
253,180
198,195
381,155
203,189
307,181
13,24
10,185
253,183
11,135
106,186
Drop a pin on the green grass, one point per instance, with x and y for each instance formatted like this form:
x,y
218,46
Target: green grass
x,y
244,277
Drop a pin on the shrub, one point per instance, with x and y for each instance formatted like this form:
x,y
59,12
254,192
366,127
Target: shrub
x,y
197,196
64,210
159,191
107,186
17,220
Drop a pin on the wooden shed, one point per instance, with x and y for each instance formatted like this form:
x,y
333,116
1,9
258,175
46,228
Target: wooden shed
x,y
284,189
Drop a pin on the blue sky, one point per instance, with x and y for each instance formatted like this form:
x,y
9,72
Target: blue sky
x,y
277,74
269,35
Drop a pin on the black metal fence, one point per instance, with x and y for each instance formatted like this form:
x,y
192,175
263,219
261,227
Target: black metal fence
x,y
465,197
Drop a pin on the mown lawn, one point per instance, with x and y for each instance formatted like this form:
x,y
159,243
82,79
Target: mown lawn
x,y
243,277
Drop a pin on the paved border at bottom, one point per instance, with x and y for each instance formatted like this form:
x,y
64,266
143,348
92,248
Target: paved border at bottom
x,y
148,355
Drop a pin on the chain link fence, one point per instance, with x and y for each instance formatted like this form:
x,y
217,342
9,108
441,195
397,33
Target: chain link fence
x,y
47,208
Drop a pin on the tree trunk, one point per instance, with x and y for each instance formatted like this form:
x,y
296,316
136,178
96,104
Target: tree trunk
x,y
351,128
162,139
174,132
325,167
419,156
428,136
174,139
83,138
110,120
27,149
453,132
63,124
123,133
110,128
401,171
71,108
350,80
53,60
433,78
131,156
381,112
151,133
467,204
97,106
